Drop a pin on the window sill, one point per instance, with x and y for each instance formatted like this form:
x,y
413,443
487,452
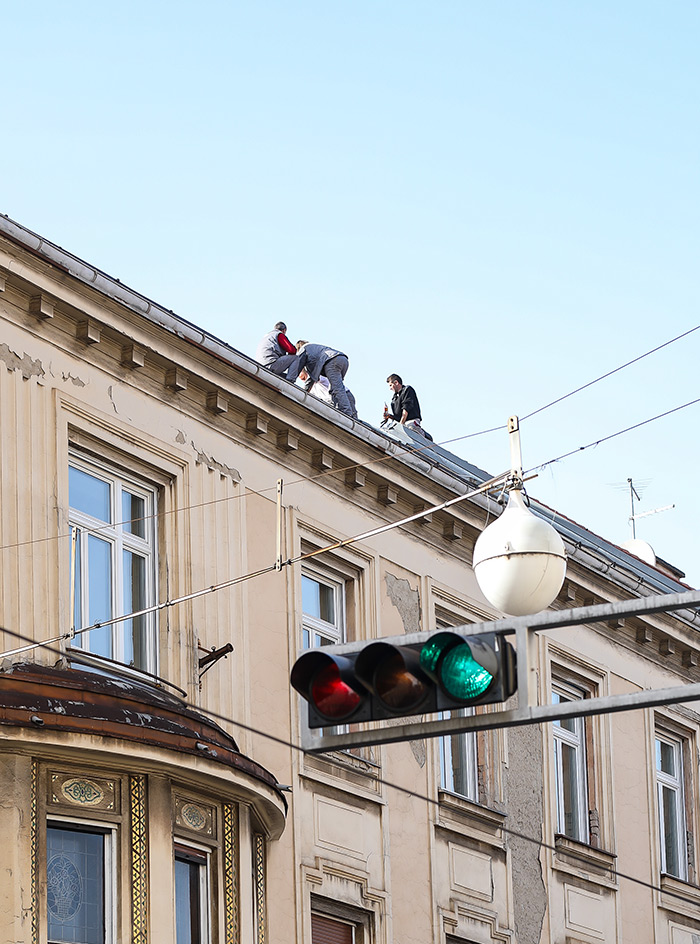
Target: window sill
x,y
459,814
344,769
673,889
575,857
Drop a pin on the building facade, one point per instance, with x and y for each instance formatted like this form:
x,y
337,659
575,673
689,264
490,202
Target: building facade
x,y
154,790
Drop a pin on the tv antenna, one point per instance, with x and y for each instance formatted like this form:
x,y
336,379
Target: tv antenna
x,y
645,514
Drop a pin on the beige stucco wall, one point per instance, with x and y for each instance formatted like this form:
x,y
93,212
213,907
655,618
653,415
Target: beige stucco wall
x,y
412,868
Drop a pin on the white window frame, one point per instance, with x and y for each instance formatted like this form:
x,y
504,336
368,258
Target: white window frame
x,y
467,740
325,632
317,632
109,834
120,540
676,784
576,740
201,856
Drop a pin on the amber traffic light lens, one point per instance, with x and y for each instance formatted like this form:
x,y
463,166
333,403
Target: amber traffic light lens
x,y
397,686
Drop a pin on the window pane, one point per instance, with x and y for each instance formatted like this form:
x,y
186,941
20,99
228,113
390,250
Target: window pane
x,y
188,917
666,757
78,607
570,798
133,512
100,594
89,494
458,760
317,599
75,886
669,815
134,598
568,724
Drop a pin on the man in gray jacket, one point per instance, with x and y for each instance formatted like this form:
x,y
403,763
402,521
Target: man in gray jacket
x,y
319,360
276,351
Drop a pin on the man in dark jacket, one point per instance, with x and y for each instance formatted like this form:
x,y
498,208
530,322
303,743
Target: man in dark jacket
x,y
404,403
321,361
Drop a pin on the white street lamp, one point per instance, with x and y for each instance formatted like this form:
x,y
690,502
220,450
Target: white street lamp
x,y
519,560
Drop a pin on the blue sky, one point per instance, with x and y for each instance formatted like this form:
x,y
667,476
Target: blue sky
x,y
499,201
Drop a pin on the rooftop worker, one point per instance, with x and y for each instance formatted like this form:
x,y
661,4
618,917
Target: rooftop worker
x,y
319,360
322,389
276,351
405,408
404,402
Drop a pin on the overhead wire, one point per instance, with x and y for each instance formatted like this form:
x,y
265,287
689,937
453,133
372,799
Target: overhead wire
x,y
383,781
415,448
233,581
628,429
485,487
608,374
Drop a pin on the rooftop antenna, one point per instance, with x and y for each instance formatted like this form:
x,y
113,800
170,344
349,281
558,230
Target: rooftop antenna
x,y
645,514
633,494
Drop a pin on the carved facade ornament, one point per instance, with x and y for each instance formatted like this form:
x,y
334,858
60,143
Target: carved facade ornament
x,y
92,793
84,792
195,817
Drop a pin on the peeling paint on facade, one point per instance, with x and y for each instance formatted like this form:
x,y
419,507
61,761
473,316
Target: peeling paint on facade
x,y
215,466
407,602
74,380
525,790
25,364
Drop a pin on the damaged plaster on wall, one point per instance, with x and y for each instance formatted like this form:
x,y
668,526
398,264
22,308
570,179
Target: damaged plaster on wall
x,y
74,380
407,602
203,459
524,787
25,364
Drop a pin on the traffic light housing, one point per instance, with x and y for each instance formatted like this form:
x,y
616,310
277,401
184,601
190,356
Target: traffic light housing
x,y
379,680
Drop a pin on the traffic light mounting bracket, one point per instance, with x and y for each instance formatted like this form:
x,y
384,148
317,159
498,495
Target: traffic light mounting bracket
x,y
526,711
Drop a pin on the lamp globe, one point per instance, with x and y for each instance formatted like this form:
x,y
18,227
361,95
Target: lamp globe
x,y
519,560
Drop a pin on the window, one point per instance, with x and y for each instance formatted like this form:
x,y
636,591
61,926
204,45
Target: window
x,y
570,768
323,618
78,885
671,805
325,930
458,766
323,609
115,563
191,896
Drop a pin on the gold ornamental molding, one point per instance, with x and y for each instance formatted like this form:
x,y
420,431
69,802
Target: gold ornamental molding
x,y
230,856
260,891
139,860
33,850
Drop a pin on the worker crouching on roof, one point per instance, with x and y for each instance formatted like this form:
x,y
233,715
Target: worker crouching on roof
x,y
319,360
276,351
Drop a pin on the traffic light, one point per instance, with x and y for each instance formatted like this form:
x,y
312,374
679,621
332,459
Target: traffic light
x,y
381,680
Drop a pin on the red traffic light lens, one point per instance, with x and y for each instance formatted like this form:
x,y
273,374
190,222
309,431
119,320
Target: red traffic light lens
x,y
332,697
397,686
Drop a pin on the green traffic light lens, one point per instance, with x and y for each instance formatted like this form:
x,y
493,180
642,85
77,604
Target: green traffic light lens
x,y
430,654
462,676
